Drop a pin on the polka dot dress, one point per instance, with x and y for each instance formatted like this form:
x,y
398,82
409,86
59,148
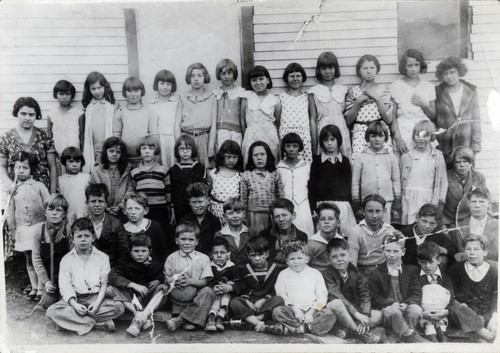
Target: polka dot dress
x,y
223,188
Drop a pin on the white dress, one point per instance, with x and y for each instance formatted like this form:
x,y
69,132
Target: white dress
x,y
409,114
73,189
166,126
65,128
295,118
295,181
330,104
223,188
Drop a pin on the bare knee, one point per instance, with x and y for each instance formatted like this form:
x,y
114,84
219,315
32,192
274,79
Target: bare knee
x,y
335,305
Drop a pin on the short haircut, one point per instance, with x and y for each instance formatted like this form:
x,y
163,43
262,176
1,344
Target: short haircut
x,y
132,84
337,243
197,66
111,142
426,126
259,71
56,200
27,102
451,62
73,153
226,64
373,197
325,60
366,58
165,76
415,54
428,210
282,203
257,245
395,237
26,156
330,130
328,206
82,224
150,141
188,141
220,241
271,161
229,147
233,204
292,68
64,86
292,137
295,246
97,190
463,152
139,239
140,198
377,128
474,237
197,189
428,251
480,192
187,227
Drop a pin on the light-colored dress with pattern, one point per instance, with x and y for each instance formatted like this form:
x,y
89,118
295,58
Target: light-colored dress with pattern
x,y
409,114
368,112
330,103
295,118
166,110
260,123
223,188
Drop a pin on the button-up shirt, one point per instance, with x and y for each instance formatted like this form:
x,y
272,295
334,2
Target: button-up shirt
x,y
227,231
195,265
477,225
437,275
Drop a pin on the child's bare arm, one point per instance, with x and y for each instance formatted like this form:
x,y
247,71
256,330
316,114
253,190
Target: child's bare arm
x,y
313,121
81,123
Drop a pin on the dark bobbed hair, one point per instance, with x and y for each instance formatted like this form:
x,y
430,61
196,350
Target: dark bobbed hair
x,y
92,78
97,190
72,153
330,130
139,239
429,210
148,140
26,156
271,161
377,128
198,66
257,245
185,140
328,206
229,147
424,125
187,227
165,76
197,189
27,102
220,241
132,84
291,137
366,58
415,54
373,197
451,62
259,71
230,65
283,203
111,142
294,67
337,243
428,251
82,224
64,86
327,59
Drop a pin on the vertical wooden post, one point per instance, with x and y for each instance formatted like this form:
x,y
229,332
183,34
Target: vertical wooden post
x,y
247,43
132,45
465,24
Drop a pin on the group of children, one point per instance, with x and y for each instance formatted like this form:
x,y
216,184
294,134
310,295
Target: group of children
x,y
289,232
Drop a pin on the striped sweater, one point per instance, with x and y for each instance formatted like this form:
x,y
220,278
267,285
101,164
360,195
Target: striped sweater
x,y
152,182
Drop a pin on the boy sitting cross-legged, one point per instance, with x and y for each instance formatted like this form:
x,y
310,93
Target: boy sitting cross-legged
x,y
348,294
256,297
83,279
188,271
137,273
304,293
395,291
225,275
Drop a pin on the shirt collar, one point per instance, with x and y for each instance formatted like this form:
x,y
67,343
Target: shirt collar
x,y
227,231
93,251
228,263
392,270
437,273
483,268
293,234
301,163
100,223
371,232
172,98
384,150
317,236
325,157
192,255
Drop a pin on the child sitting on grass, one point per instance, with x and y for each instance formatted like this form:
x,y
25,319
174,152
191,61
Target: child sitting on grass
x,y
83,280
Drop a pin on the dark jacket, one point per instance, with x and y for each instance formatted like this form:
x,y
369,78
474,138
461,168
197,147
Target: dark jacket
x,y
354,292
238,253
127,271
257,287
113,240
276,253
444,281
380,284
229,274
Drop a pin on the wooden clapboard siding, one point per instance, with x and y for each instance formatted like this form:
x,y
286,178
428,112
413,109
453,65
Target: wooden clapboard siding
x,y
351,29
42,44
